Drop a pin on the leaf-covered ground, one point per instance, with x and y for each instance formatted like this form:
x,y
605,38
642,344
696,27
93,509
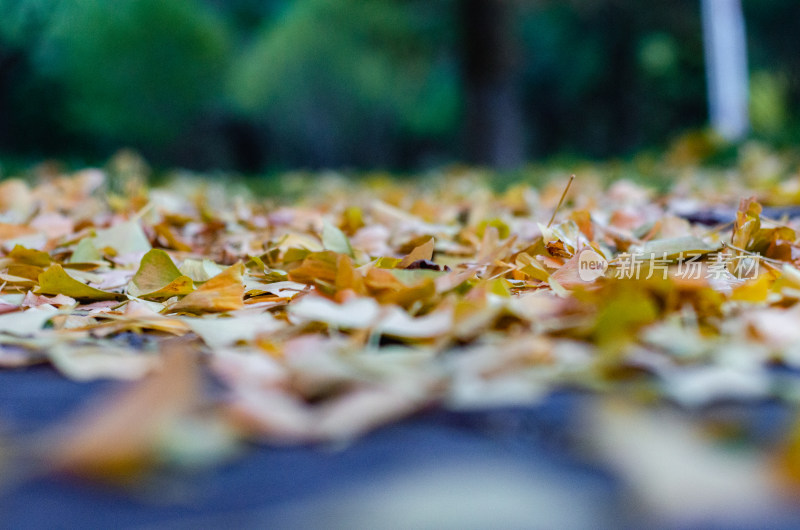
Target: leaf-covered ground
x,y
360,302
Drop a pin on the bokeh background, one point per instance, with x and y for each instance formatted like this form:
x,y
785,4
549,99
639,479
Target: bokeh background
x,y
262,85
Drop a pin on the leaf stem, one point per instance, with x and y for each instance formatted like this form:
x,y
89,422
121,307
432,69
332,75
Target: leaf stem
x,y
561,200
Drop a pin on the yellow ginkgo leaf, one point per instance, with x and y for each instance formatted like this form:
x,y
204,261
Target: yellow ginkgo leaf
x,y
29,256
55,280
159,278
754,291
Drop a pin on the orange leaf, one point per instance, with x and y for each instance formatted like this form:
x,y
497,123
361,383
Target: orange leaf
x,y
223,292
117,437
424,251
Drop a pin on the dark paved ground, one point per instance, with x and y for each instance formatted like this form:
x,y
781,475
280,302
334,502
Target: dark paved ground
x,y
510,468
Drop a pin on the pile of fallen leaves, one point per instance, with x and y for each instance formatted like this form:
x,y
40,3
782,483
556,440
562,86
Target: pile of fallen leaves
x,y
366,300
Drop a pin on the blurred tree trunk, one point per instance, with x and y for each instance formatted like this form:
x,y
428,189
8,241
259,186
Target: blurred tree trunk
x,y
726,67
490,59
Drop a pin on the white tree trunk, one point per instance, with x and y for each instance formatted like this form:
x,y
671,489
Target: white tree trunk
x,y
726,67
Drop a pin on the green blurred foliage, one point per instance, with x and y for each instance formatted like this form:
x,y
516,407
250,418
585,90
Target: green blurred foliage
x,y
256,84
136,70
349,72
769,101
772,29
611,77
